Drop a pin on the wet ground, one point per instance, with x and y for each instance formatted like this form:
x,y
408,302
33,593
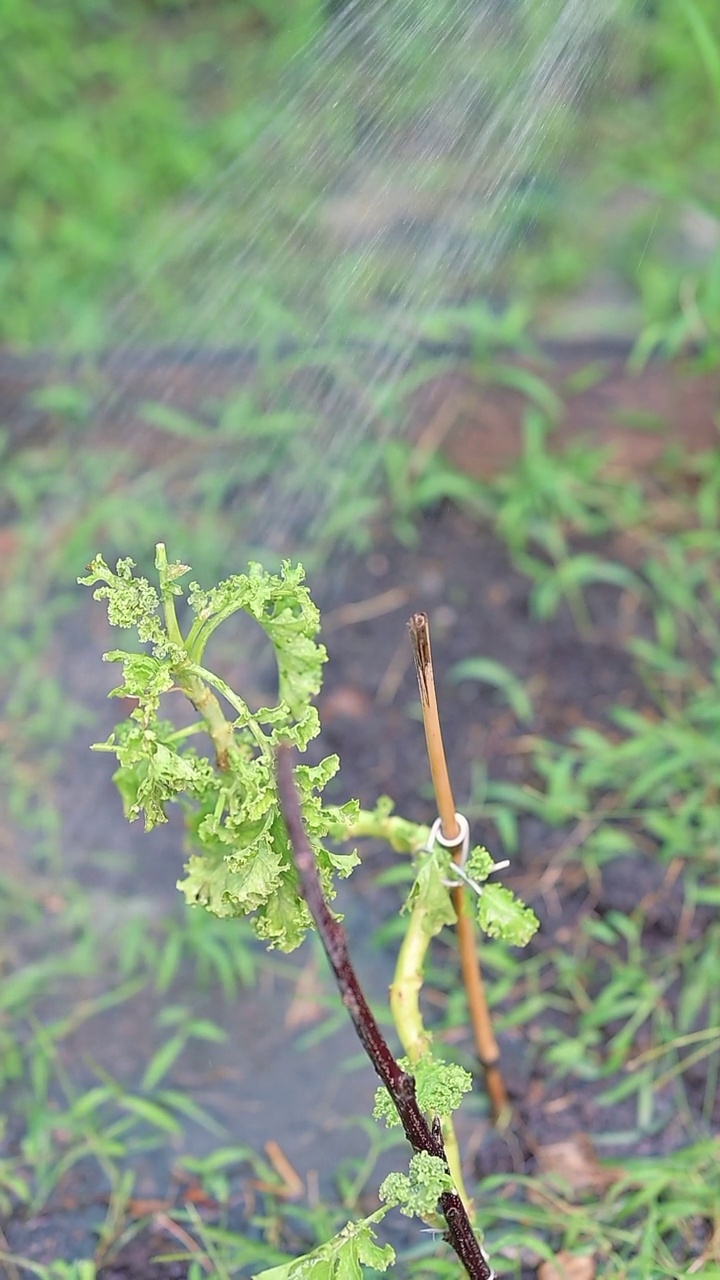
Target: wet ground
x,y
264,1084
464,406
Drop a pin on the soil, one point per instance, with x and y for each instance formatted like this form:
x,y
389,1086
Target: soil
x,y
262,1085
474,417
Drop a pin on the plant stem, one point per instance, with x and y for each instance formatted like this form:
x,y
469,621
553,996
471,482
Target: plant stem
x,y
400,1085
167,595
194,688
402,835
405,1007
405,990
485,1042
217,725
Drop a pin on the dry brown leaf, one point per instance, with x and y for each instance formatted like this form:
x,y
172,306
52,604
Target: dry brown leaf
x,y
291,1186
568,1266
146,1208
575,1161
196,1195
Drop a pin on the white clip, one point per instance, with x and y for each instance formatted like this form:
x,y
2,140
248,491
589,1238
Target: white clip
x,y
461,840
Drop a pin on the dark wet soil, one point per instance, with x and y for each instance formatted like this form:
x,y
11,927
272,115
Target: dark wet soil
x,y
477,604
262,1085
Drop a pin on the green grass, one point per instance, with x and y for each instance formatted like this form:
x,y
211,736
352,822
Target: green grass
x,y
115,120
110,115
642,217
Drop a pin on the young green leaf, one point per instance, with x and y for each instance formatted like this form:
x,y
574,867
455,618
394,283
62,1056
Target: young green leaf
x,y
131,601
242,863
145,678
342,1258
501,915
439,1088
479,864
416,1193
430,890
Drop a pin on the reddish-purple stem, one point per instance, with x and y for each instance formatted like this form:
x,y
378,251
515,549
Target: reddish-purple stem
x,y
399,1084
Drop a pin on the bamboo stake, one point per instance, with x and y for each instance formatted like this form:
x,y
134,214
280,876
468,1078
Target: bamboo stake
x,y
485,1042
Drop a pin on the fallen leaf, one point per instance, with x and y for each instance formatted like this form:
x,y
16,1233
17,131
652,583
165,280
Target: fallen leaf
x,y
575,1162
196,1195
568,1266
290,1185
294,1187
146,1208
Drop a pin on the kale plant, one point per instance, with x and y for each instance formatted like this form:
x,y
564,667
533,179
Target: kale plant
x,y
260,850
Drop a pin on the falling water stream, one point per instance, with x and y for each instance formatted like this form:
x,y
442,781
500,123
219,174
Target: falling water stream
x,y
405,150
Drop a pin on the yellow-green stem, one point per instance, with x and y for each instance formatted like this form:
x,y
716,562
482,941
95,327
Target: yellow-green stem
x,y
167,595
207,706
407,1016
399,833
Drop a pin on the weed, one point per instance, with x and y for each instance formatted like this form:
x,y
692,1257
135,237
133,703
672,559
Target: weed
x,y
494,673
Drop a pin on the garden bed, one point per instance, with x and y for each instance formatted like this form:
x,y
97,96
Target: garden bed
x,y
473,412
479,606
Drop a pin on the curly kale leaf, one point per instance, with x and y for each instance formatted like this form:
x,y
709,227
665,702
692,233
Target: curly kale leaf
x,y
237,884
247,863
152,772
284,609
342,1258
479,864
439,1088
131,602
417,1192
501,915
145,678
242,863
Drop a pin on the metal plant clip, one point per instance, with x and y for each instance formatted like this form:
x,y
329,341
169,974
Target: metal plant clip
x,y
462,841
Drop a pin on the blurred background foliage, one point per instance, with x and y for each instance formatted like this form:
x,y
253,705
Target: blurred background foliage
x,y
109,113
112,113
